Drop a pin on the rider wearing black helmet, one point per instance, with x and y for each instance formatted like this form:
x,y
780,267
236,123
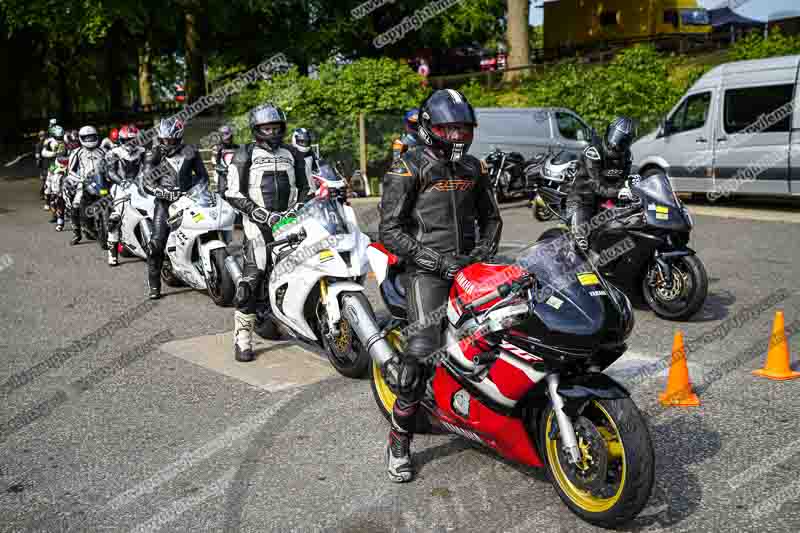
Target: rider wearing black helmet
x,y
433,196
266,178
169,169
603,173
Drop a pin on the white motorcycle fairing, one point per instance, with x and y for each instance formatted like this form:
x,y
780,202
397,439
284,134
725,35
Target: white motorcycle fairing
x,y
137,218
189,246
336,261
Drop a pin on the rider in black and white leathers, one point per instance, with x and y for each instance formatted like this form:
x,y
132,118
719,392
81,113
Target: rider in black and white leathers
x,y
169,169
265,179
85,163
124,163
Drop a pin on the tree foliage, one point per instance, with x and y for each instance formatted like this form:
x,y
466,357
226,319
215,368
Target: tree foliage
x,y
330,104
756,46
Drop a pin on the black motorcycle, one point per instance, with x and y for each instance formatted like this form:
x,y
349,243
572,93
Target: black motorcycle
x,y
645,246
506,172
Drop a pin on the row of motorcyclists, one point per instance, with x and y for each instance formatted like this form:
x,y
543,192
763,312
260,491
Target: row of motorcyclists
x,y
438,213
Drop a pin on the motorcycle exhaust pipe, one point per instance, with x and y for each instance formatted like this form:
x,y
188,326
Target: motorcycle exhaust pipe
x,y
232,265
357,311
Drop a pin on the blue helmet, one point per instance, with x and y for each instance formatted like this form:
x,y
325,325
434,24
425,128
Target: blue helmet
x,y
412,119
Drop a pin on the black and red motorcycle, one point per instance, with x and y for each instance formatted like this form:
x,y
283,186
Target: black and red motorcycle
x,y
525,346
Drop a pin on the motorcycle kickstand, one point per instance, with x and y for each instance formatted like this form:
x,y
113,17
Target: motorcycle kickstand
x,y
569,441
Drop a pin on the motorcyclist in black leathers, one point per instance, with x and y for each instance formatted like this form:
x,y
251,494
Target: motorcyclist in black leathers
x,y
266,179
169,169
432,198
603,172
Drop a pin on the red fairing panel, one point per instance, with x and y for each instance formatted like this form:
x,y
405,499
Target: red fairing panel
x,y
510,380
479,279
506,435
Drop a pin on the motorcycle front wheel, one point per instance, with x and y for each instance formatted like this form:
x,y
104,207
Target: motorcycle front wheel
x,y
168,275
614,478
345,351
221,289
687,294
383,395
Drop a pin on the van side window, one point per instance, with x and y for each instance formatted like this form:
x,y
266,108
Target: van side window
x,y
692,114
671,17
571,128
758,109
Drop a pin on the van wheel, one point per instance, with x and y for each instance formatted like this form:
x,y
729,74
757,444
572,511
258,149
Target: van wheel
x,y
652,171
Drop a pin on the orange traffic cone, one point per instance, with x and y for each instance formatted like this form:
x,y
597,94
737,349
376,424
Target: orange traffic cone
x,y
679,389
777,365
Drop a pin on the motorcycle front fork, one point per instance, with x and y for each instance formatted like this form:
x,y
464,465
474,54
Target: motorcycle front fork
x,y
569,442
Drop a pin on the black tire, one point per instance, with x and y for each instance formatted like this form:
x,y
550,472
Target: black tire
x,y
693,267
639,460
223,290
357,367
167,274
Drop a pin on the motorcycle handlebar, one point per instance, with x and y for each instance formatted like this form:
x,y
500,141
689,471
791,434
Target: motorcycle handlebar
x,y
501,291
291,239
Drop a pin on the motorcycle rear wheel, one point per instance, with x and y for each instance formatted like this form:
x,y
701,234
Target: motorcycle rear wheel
x,y
614,480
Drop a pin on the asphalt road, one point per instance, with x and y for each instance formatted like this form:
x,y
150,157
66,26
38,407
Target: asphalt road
x,y
117,414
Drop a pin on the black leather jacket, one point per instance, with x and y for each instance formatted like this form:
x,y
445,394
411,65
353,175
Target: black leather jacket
x,y
183,170
430,207
598,175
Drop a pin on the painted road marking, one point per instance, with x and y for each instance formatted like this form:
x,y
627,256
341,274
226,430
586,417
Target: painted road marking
x,y
279,365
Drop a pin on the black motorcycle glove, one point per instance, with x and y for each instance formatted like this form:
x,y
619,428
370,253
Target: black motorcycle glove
x,y
452,265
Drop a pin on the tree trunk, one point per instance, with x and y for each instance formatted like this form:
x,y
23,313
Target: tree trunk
x,y
145,71
112,54
517,37
195,61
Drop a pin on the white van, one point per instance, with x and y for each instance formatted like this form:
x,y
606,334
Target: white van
x,y
529,131
737,130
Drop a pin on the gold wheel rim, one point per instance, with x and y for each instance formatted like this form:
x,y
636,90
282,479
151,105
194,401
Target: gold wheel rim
x,y
385,394
582,498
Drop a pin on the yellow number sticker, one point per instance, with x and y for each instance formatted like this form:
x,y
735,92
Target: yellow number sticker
x,y
588,278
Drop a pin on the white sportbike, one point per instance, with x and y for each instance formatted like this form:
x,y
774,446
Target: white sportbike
x,y
320,266
136,227
196,250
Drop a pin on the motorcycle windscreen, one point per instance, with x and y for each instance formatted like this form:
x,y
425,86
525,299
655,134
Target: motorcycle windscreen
x,y
328,213
200,195
656,189
573,305
662,208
